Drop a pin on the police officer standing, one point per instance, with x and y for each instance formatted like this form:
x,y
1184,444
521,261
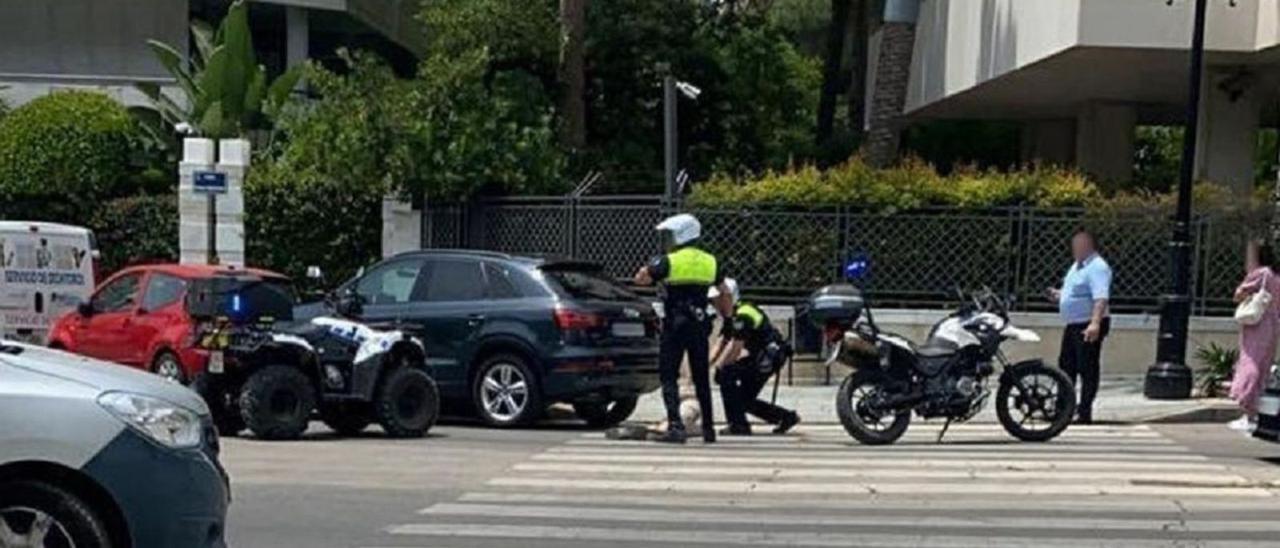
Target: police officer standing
x,y
742,377
686,274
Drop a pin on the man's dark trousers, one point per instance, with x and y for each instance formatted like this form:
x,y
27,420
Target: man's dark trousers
x,y
684,332
740,385
1082,362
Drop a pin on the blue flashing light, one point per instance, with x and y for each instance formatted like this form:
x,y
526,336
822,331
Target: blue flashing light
x,y
235,303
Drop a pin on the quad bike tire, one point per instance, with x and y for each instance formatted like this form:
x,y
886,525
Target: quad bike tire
x,y
853,422
407,403
1065,407
276,402
605,414
346,419
225,410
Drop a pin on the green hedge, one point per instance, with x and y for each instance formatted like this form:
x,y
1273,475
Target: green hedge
x,y
910,186
295,220
72,145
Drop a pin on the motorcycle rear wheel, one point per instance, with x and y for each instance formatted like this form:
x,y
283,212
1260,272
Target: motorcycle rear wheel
x,y
865,425
1031,391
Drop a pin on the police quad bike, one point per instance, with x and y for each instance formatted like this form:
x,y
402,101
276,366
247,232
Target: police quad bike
x,y
946,377
269,374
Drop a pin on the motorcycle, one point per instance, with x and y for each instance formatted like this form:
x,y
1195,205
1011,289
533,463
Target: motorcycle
x,y
946,377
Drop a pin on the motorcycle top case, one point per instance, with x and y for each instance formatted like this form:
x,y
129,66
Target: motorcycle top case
x,y
837,302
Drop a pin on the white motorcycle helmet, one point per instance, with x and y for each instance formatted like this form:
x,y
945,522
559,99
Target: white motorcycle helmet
x,y
684,228
729,283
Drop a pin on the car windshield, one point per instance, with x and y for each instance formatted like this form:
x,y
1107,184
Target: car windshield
x,y
243,298
588,284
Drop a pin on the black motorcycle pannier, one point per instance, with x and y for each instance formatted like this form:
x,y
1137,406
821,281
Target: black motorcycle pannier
x,y
838,302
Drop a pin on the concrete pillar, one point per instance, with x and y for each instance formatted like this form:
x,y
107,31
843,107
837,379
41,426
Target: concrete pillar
x,y
297,35
1104,141
232,158
1049,142
1230,112
401,226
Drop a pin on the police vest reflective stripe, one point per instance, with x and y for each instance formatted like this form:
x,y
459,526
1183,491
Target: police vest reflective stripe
x,y
751,313
691,266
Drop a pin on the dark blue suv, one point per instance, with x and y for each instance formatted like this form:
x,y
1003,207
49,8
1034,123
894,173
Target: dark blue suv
x,y
512,335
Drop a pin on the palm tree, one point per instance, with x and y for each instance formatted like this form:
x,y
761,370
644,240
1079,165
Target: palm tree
x,y
572,72
893,74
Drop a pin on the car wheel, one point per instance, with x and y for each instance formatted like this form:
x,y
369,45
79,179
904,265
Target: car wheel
x,y
224,408
346,419
167,365
276,402
506,392
38,514
407,403
604,414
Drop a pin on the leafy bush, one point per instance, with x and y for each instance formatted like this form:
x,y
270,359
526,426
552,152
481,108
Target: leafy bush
x,y
909,186
1219,363
136,229
294,220
72,145
447,133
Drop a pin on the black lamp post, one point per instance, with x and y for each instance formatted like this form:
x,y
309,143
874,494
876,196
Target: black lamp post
x,y
1169,377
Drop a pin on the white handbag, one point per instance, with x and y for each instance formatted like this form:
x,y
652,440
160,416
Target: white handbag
x,y
1252,310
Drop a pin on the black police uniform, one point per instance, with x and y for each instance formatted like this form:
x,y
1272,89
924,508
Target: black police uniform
x,y
686,274
742,380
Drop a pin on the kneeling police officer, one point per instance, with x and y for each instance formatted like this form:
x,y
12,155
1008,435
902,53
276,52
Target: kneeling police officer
x,y
742,377
686,274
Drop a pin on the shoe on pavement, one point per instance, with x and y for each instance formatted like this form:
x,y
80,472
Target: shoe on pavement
x,y
733,430
1242,424
788,422
709,434
670,436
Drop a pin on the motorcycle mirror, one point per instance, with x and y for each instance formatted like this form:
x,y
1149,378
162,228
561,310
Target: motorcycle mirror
x,y
858,267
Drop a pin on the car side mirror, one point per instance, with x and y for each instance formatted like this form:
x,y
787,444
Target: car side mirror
x,y
85,308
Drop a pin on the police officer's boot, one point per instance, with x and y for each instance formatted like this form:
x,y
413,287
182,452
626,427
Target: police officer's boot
x,y
708,432
672,435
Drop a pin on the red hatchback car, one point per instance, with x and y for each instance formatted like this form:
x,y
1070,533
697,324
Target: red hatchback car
x,y
138,317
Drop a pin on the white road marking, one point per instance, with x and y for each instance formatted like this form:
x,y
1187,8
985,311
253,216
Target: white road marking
x,y
861,461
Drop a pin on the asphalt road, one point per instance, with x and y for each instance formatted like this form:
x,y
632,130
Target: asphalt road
x,y
565,486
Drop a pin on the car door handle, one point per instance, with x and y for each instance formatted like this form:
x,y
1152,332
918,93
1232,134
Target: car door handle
x,y
475,319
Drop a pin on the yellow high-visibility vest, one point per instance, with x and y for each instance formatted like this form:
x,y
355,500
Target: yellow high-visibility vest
x,y
691,266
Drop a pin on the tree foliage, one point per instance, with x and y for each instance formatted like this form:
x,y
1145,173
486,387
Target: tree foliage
x,y
444,133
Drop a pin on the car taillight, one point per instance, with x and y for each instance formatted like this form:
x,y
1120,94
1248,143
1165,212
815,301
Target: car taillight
x,y
577,320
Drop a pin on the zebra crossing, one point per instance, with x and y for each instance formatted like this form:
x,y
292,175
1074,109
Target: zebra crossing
x,y
1122,485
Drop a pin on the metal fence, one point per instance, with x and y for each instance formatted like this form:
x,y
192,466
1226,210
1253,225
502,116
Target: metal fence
x,y
919,257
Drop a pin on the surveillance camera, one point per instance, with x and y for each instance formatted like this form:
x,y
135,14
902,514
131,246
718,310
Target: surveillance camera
x,y
689,90
184,128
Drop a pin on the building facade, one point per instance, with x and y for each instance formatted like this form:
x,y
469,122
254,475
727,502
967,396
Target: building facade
x,y
101,44
1080,75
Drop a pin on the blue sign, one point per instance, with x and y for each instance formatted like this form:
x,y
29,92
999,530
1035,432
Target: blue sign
x,y
209,182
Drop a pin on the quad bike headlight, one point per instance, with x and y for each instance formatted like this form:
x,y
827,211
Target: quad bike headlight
x,y
169,425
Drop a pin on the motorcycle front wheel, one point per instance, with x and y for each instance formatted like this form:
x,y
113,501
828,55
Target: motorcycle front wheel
x,y
855,405
1036,403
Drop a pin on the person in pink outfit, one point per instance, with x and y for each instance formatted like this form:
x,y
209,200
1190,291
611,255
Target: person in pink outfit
x,y
1258,341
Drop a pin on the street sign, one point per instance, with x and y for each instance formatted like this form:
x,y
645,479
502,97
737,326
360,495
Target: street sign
x,y
209,182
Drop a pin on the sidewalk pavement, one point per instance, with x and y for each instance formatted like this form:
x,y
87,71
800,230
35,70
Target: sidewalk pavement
x,y
1119,400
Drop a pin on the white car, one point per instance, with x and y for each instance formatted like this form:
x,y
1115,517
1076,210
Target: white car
x,y
97,455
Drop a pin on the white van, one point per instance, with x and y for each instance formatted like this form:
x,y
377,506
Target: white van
x,y
46,269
